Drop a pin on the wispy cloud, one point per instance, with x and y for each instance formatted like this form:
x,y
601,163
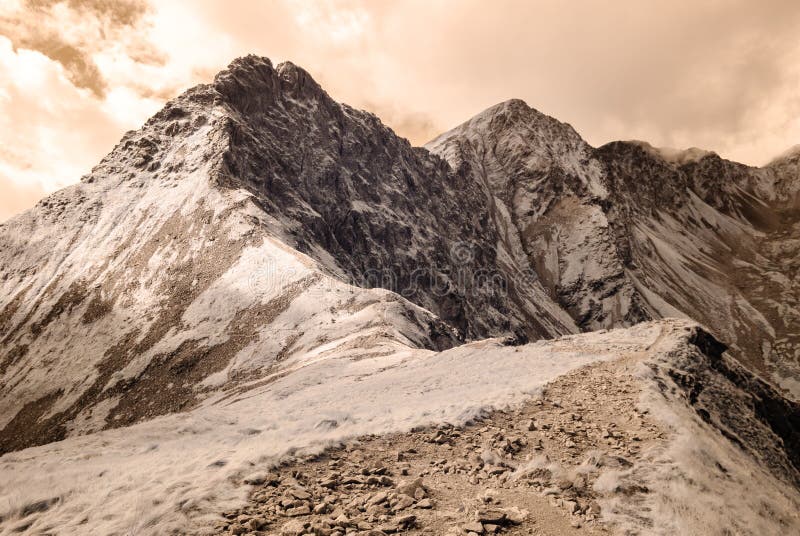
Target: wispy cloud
x,y
716,74
69,32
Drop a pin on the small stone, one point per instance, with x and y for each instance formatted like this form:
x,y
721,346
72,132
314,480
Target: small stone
x,y
425,504
236,528
256,479
376,510
564,483
407,521
474,526
495,470
491,515
378,498
293,528
403,502
300,494
298,511
329,483
440,438
515,516
321,508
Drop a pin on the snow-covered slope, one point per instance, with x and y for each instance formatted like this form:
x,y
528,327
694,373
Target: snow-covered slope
x,y
152,476
176,473
233,230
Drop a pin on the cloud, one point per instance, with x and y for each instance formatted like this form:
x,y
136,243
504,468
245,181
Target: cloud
x,y
81,70
51,132
69,32
656,70
717,74
418,128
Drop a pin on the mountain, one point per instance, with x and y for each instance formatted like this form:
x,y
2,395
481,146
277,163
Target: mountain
x,y
627,232
509,224
261,269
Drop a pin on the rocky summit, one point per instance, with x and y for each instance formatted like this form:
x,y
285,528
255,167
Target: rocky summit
x,y
263,310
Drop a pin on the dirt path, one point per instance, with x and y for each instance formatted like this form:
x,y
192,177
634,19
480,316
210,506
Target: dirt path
x,y
531,470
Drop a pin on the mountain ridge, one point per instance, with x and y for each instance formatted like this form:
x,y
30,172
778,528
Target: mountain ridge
x,y
260,274
508,225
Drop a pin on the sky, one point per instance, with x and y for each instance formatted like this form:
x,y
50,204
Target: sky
x,y
720,75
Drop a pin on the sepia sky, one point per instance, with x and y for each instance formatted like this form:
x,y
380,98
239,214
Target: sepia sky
x,y
717,74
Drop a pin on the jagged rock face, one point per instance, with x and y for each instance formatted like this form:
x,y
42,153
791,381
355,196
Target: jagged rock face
x,y
546,191
352,194
784,177
705,244
247,223
729,399
627,232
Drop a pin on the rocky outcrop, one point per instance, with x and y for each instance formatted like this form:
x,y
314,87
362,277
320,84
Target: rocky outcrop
x,y
375,210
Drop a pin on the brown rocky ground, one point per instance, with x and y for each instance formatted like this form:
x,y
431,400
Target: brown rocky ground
x,y
529,470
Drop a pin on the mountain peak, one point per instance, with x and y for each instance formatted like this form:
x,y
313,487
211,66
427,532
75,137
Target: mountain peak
x,y
251,82
247,64
511,108
249,71
298,81
510,105
509,117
